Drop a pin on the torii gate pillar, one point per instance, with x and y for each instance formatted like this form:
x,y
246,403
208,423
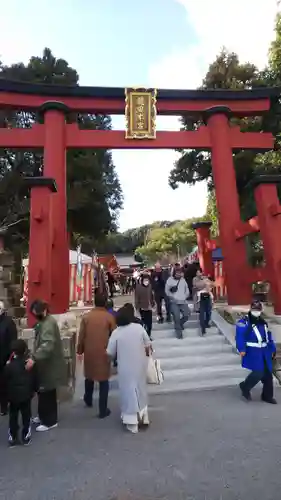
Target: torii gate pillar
x,y
234,252
54,114
269,214
204,253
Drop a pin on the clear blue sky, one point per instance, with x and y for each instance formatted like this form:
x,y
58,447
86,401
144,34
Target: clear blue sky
x,y
161,43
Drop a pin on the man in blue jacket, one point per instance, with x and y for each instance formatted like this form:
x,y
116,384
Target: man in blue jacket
x,y
257,349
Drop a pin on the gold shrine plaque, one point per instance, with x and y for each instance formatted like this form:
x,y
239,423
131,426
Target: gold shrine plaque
x,y
140,113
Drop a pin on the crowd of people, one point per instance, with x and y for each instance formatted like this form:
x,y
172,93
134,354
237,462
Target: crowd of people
x,y
109,339
106,338
172,289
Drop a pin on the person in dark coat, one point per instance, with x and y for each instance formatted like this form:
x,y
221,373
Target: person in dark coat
x,y
111,283
159,278
8,334
21,386
144,302
50,365
257,349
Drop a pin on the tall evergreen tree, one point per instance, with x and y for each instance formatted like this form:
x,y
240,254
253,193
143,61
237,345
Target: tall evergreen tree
x,y
94,192
226,72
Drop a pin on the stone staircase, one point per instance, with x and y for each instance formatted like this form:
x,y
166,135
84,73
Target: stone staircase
x,y
195,362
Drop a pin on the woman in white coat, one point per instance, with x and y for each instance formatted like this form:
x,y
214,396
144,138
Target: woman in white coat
x,y
131,344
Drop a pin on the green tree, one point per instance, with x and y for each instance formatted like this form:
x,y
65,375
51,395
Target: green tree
x,y
274,69
212,212
226,72
129,240
94,192
169,242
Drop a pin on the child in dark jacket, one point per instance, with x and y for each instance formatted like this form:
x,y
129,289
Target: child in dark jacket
x,y
20,387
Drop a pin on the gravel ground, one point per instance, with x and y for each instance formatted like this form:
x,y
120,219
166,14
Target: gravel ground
x,y
201,445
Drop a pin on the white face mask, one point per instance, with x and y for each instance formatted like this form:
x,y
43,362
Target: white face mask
x,y
146,283
256,314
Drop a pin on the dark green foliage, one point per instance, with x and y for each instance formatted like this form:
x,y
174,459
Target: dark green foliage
x,y
94,192
174,240
226,72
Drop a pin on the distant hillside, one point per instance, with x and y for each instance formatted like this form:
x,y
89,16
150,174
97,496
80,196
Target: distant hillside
x,y
129,240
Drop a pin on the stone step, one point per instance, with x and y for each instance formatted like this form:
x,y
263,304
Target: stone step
x,y
192,315
195,385
188,350
188,340
191,344
192,378
192,323
182,362
189,333
186,386
204,372
165,388
177,378
170,327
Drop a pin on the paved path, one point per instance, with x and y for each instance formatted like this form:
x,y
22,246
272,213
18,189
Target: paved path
x,y
201,445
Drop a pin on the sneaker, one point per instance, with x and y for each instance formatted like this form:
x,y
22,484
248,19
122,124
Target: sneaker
x,y
26,438
26,441
12,441
44,428
36,420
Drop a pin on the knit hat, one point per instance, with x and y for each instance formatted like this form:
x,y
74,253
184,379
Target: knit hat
x,y
256,305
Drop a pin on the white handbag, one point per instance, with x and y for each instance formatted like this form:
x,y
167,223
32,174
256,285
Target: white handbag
x,y
154,373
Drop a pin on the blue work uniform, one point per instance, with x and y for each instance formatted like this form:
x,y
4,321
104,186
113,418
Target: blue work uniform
x,y
256,341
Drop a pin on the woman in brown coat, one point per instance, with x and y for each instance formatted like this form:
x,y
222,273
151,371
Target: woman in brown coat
x,y
95,330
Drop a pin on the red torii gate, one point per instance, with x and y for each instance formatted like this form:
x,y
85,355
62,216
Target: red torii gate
x,y
49,266
268,223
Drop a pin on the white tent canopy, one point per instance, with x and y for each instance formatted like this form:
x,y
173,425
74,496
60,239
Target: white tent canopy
x,y
72,258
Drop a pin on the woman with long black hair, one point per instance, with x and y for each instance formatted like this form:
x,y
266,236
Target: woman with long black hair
x,y
131,344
